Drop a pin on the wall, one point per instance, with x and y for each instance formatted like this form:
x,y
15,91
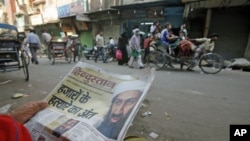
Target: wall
x,y
63,2
109,3
109,30
247,52
86,38
232,24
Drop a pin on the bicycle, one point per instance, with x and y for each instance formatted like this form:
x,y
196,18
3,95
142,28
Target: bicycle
x,y
26,52
209,63
60,50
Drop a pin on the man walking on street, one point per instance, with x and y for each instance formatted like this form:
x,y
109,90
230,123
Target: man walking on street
x,y
99,44
46,40
34,44
136,49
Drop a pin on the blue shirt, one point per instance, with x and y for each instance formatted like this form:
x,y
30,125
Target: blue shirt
x,y
164,34
33,38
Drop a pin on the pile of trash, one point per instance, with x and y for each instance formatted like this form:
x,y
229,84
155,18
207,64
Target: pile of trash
x,y
238,64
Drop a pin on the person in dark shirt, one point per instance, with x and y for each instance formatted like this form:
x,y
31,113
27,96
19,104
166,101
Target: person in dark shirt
x,y
146,44
122,45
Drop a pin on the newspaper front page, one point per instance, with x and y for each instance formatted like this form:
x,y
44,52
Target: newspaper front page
x,y
90,104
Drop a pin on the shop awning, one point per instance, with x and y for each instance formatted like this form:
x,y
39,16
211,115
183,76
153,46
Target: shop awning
x,y
101,11
82,17
150,4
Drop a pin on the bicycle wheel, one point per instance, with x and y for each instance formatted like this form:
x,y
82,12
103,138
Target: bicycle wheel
x,y
211,63
27,57
53,57
156,59
25,67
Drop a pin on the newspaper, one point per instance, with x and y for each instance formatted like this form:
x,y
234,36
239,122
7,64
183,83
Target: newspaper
x,y
91,104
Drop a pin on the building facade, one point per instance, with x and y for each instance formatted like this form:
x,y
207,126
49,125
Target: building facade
x,y
228,18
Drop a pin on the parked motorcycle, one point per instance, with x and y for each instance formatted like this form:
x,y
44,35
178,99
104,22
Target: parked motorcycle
x,y
89,52
110,53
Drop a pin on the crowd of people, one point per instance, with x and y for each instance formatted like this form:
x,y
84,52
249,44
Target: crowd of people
x,y
161,37
131,47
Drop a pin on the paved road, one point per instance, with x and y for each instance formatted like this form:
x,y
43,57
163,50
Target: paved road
x,y
185,106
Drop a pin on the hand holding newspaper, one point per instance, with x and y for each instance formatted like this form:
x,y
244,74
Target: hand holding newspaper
x,y
91,104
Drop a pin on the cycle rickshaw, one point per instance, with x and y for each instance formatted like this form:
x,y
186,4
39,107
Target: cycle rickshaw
x,y
59,50
12,56
209,63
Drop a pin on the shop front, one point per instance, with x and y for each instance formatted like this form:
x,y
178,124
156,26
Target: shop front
x,y
72,21
143,15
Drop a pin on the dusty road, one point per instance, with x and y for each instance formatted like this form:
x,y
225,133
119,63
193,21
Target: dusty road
x,y
185,106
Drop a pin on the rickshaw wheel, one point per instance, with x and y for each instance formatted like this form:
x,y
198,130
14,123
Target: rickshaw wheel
x,y
25,67
211,63
52,58
26,56
156,59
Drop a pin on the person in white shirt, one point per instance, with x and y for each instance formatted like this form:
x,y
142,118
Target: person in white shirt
x,y
99,44
153,28
206,45
111,41
184,30
46,40
134,43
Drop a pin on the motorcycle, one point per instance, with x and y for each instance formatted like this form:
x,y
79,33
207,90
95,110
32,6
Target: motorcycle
x,y
110,52
89,52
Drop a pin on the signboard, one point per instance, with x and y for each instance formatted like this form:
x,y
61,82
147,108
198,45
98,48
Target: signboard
x,y
63,11
50,14
77,7
82,17
36,19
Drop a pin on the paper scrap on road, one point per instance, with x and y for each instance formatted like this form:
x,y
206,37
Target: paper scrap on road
x,y
146,114
195,92
167,115
18,95
5,82
5,108
153,135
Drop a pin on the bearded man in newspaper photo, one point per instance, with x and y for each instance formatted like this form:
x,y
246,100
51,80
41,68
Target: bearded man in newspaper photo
x,y
125,97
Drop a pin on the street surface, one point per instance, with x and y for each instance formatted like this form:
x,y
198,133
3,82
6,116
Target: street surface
x,y
185,106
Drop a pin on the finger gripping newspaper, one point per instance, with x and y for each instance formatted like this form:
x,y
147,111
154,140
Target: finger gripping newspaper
x,y
91,104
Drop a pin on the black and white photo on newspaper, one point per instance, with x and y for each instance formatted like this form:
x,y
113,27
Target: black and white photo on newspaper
x,y
91,104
